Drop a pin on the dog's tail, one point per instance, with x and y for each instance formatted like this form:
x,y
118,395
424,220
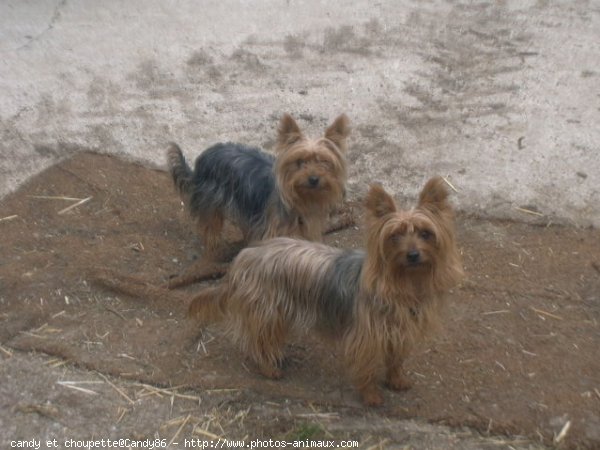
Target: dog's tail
x,y
207,306
179,169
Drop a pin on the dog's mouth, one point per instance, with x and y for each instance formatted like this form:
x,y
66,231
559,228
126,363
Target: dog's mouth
x,y
414,265
313,187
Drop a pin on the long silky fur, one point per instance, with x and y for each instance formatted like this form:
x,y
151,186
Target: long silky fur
x,y
371,301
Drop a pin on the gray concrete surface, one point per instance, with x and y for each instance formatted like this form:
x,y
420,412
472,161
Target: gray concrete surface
x,y
500,97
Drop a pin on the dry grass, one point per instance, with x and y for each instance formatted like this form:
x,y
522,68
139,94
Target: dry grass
x,y
78,201
528,211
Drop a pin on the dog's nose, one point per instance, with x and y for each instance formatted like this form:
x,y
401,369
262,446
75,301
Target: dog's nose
x,y
413,256
313,181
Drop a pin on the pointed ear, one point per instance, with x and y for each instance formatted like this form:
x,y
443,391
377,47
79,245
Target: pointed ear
x,y
338,131
434,194
378,202
288,132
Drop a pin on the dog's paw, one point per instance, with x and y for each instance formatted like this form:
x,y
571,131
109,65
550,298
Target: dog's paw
x,y
398,382
371,396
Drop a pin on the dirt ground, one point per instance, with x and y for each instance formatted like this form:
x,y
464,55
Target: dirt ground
x,y
516,363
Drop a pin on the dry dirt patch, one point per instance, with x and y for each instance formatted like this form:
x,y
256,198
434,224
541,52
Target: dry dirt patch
x,y
518,355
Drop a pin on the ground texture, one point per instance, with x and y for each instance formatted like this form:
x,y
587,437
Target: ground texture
x,y
516,363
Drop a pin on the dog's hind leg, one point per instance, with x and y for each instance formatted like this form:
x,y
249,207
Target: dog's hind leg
x,y
130,285
209,267
200,270
211,229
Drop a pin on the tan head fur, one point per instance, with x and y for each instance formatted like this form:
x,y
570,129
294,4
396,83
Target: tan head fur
x,y
311,173
417,243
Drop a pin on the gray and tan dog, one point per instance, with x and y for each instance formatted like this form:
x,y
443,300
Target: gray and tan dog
x,y
289,194
376,302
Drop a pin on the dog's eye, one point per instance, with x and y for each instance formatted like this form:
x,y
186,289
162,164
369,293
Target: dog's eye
x,y
395,237
426,235
328,165
300,162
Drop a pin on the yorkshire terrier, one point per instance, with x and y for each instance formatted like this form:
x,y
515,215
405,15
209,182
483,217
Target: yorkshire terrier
x,y
376,302
265,196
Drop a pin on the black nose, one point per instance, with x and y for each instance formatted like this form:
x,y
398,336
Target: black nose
x,y
413,256
313,181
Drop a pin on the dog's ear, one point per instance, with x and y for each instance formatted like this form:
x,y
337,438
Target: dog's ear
x,y
378,202
288,132
338,131
434,195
